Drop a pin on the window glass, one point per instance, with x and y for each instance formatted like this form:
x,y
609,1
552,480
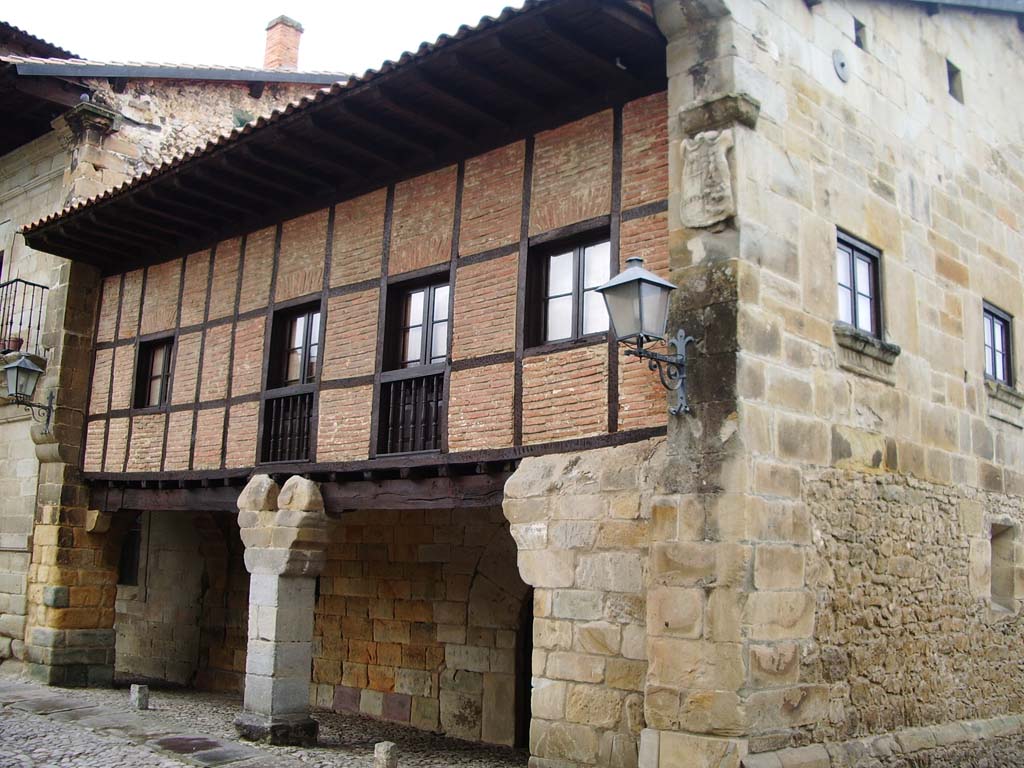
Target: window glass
x,y
152,378
559,320
996,325
314,346
560,275
441,302
857,268
595,314
597,260
571,307
424,331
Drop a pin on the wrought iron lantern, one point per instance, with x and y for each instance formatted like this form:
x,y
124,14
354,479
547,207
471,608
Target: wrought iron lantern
x,y
637,302
22,376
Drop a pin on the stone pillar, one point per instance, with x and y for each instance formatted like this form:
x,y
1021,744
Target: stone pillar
x,y
73,573
285,537
581,525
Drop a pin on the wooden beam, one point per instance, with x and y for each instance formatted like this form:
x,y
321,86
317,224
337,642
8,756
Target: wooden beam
x,y
529,62
212,499
419,118
570,42
416,493
77,246
243,194
276,156
178,225
640,23
508,88
461,103
130,235
185,215
50,90
324,129
374,125
88,234
284,187
216,202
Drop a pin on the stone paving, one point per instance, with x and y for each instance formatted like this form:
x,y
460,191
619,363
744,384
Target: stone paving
x,y
44,727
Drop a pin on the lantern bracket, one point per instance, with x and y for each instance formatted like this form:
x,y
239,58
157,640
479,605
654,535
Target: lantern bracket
x,y
671,368
40,411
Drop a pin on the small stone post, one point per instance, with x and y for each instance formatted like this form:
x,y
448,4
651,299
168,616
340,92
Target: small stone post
x,y
385,755
138,698
285,537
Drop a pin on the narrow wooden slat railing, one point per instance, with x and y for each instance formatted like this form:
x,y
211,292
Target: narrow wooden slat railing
x,y
411,408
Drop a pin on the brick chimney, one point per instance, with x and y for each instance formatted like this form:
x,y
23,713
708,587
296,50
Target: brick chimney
x,y
282,44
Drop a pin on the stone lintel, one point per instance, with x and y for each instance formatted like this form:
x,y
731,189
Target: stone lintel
x,y
719,112
280,730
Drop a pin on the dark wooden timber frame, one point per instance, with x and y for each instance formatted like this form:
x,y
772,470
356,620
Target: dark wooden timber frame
x,y
555,67
542,66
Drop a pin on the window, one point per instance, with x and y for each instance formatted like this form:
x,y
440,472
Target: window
x,y
131,554
998,363
411,396
956,86
288,412
860,34
563,282
153,374
1002,568
423,327
857,268
295,347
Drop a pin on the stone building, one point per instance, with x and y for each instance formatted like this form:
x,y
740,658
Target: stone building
x,y
73,128
361,400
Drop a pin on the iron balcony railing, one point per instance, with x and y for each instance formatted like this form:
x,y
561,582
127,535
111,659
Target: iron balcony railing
x,y
21,316
411,410
287,427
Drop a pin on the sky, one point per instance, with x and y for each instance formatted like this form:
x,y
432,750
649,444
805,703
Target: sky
x,y
340,35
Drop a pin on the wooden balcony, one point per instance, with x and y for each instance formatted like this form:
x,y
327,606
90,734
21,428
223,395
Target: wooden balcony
x,y
411,410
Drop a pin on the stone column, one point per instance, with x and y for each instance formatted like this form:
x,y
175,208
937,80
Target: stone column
x,y
285,537
69,638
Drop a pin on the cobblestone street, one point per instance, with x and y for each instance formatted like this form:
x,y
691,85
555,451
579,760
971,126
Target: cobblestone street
x,y
44,727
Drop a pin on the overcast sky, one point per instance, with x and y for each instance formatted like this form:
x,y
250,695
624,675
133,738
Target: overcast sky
x,y
340,35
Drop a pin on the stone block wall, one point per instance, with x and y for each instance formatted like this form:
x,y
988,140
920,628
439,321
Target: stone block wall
x,y
30,185
863,490
582,527
907,633
419,619
185,621
898,466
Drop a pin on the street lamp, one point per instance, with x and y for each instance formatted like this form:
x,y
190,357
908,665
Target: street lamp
x,y
637,302
22,376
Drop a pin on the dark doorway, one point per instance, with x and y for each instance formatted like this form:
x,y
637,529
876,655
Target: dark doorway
x,y
524,671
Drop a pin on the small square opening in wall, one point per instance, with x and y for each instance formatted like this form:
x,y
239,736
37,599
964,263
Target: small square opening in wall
x,y
1003,562
956,86
860,34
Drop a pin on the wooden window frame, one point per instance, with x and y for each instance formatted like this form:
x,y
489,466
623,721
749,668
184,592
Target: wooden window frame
x,y
995,319
858,251
395,327
538,267
144,375
279,349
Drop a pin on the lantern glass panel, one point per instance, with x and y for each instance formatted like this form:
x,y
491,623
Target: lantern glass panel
x,y
653,309
623,304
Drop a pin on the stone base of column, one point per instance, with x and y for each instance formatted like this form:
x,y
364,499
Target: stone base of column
x,y
280,730
71,657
